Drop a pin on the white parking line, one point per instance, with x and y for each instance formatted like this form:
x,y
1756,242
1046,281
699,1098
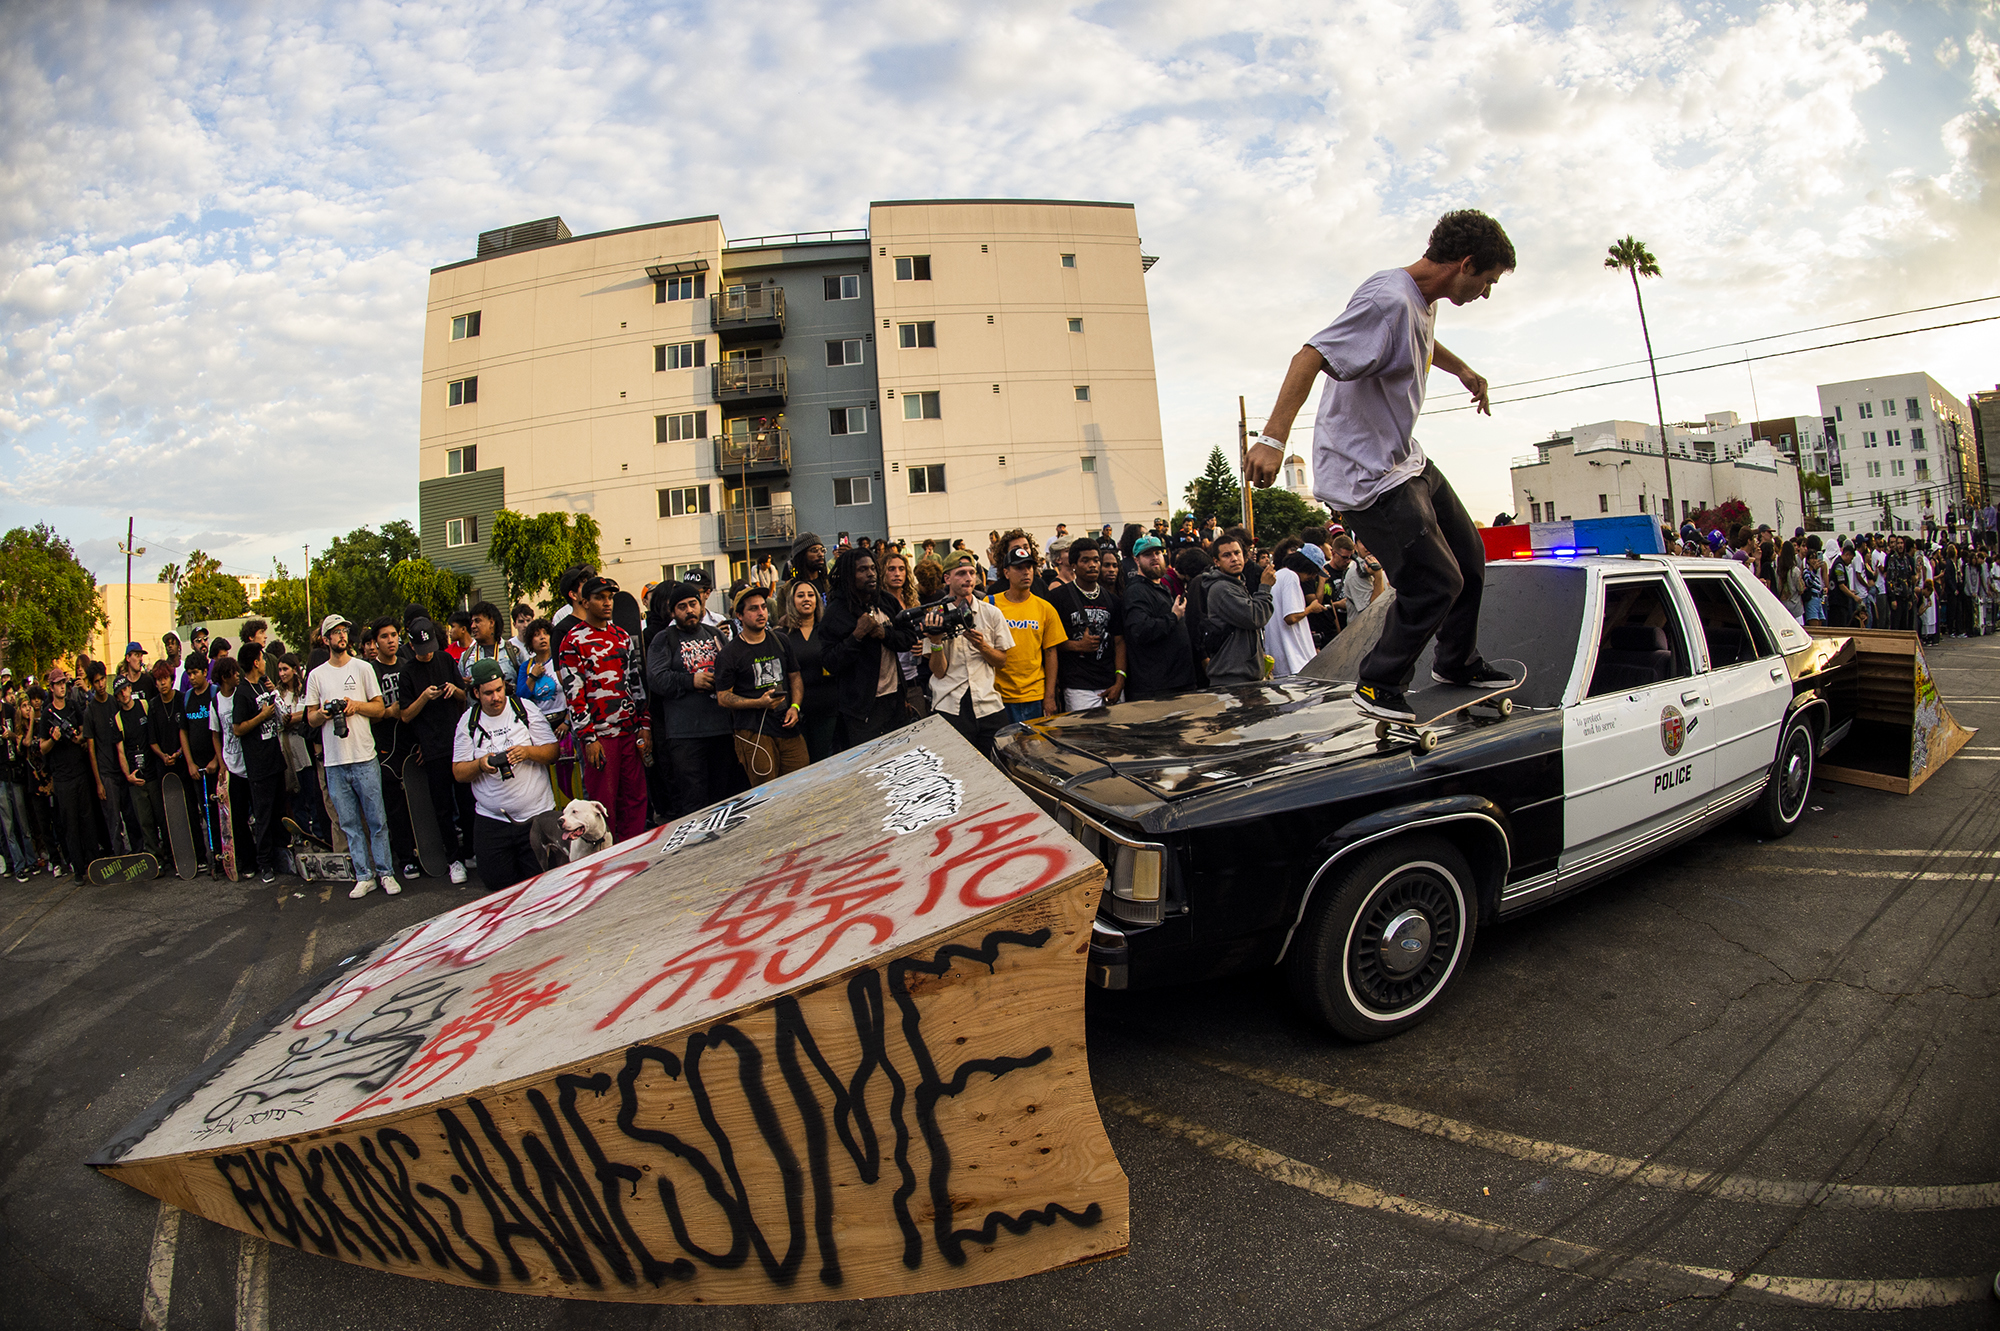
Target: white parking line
x,y
1872,850
253,1290
1727,1187
1560,1254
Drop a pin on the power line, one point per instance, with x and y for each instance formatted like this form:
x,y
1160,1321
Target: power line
x,y
1744,342
1721,365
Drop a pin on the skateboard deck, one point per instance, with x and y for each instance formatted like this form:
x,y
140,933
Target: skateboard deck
x,y
180,835
1439,701
225,829
299,834
138,867
431,851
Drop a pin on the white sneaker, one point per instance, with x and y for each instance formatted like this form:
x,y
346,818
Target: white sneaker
x,y
458,871
390,885
362,887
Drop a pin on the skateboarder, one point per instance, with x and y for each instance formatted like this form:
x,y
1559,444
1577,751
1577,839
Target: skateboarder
x,y
1368,465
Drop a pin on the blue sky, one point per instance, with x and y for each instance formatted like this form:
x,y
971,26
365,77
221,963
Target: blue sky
x,y
216,222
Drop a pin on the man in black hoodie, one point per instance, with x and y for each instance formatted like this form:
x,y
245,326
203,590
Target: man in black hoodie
x,y
1156,641
680,671
861,650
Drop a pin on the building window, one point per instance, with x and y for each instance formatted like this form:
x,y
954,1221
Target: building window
x,y
458,461
760,497
844,352
1923,469
1534,511
461,531
1911,407
1069,261
1076,325
461,392
920,407
679,288
1874,470
913,268
1889,407
927,480
464,326
1895,438
683,500
847,420
852,491
1083,392
1604,503
685,425
1868,439
1866,411
1088,462
1917,440
680,356
916,335
1896,467
1836,411
846,286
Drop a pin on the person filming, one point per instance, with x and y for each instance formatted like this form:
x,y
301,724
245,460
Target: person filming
x,y
503,751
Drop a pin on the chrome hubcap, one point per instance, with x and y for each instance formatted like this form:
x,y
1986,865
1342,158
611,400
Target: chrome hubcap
x,y
1406,943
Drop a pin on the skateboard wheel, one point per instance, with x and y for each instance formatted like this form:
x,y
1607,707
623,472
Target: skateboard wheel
x,y
1426,740
1381,730
1506,707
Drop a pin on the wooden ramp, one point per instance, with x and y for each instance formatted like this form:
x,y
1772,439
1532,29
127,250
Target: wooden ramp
x,y
821,1041
1902,729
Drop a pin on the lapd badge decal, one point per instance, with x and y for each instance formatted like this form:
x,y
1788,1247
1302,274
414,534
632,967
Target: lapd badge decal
x,y
1673,730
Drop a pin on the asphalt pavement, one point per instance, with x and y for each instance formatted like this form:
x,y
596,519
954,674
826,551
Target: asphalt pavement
x,y
1748,1084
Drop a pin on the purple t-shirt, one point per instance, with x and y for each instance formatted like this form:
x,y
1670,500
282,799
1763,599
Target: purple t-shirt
x,y
1379,355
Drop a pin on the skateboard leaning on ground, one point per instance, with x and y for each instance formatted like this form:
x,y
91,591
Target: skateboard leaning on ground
x,y
180,834
1439,701
137,867
431,851
225,826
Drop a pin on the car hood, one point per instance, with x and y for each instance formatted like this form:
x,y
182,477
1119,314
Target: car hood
x,y
1171,748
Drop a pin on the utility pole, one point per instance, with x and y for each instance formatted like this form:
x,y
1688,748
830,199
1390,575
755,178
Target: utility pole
x,y
128,551
307,548
1243,467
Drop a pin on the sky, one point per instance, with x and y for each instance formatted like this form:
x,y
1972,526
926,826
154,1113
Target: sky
x,y
217,222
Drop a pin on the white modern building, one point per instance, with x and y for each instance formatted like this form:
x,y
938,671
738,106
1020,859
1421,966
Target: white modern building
x,y
1619,467
1899,446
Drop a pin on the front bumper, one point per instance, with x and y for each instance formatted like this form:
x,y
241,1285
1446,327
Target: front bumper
x,y
1110,955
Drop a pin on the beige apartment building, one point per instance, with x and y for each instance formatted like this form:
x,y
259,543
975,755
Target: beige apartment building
x,y
959,366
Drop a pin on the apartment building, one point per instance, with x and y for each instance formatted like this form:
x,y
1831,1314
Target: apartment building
x,y
1618,466
1984,408
957,366
1899,446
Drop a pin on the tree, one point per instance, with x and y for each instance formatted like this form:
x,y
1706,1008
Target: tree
x,y
353,574
48,601
204,591
283,602
533,552
1280,513
1632,255
1215,492
438,590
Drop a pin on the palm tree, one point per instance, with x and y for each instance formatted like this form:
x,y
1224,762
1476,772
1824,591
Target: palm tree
x,y
1632,255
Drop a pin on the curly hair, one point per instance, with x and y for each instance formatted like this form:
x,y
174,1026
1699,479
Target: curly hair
x,y
1471,232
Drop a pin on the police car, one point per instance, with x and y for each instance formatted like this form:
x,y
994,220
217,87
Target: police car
x,y
1271,825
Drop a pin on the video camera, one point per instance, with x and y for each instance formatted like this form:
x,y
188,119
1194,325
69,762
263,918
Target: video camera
x,y
957,618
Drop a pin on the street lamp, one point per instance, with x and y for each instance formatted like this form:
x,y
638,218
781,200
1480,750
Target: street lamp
x,y
129,549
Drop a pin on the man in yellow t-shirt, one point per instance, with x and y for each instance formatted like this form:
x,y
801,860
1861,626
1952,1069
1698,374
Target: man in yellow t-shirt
x,y
1027,678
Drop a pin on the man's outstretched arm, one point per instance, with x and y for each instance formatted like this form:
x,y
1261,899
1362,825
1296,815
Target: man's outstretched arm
x,y
1264,460
1475,382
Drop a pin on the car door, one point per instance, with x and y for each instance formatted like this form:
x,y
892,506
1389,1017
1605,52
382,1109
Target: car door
x,y
1638,758
1747,685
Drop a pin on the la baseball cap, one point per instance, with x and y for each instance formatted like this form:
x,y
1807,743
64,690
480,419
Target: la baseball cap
x,y
1148,544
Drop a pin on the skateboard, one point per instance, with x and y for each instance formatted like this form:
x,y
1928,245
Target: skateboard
x,y
225,826
431,852
138,867
173,799
300,834
1439,701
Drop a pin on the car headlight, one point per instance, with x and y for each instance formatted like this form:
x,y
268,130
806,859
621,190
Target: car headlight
x,y
1135,885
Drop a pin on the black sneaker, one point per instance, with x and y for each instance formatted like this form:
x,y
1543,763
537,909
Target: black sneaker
x,y
1478,675
268,876
1384,701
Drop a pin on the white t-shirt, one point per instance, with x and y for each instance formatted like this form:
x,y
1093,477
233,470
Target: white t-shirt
x,y
1289,645
493,795
219,714
354,680
1357,586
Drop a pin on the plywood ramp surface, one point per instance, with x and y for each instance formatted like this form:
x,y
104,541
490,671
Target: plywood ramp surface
x,y
824,1040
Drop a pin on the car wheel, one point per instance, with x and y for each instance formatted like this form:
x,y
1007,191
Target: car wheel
x,y
1784,800
1385,937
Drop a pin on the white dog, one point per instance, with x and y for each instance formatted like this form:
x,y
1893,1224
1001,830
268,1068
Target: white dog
x,y
584,829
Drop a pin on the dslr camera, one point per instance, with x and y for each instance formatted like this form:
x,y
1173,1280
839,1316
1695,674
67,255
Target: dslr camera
x,y
957,618
502,764
336,708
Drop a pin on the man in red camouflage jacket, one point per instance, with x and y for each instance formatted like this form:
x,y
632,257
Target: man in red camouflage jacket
x,y
603,676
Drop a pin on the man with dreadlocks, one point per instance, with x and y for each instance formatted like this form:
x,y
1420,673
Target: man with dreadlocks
x,y
862,643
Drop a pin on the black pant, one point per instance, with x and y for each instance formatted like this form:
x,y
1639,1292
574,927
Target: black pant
x,y
77,812
704,770
266,801
884,714
1435,560
242,810
977,731
505,857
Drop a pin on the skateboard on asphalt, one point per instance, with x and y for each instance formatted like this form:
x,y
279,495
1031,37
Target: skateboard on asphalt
x,y
1439,701
138,867
431,852
225,826
299,834
180,836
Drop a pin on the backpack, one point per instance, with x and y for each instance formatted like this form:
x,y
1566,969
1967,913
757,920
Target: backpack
x,y
476,711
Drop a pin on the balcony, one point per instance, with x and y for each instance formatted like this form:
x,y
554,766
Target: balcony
x,y
752,382
753,453
756,527
748,314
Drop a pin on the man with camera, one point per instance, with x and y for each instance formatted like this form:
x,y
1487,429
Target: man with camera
x,y
66,754
680,672
758,682
340,693
503,751
966,639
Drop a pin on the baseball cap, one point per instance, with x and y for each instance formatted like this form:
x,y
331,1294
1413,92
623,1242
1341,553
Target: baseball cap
x,y
596,583
121,683
1020,557
485,672
1146,544
423,636
752,590
326,626
1061,545
132,647
1314,553
962,559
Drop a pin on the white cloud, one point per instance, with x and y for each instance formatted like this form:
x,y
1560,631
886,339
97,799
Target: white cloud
x,y
216,225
